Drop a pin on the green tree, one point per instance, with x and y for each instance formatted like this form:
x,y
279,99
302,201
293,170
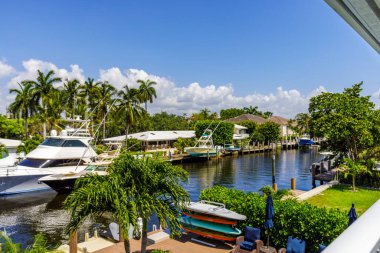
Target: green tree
x,y
221,134
301,123
347,120
254,110
105,95
42,88
88,92
231,113
204,114
180,144
25,104
164,121
71,90
147,91
269,131
353,169
11,128
132,188
129,107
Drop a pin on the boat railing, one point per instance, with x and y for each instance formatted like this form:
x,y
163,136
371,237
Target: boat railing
x,y
213,203
5,171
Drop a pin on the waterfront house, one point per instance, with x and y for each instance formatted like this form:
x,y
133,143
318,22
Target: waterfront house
x,y
283,122
152,140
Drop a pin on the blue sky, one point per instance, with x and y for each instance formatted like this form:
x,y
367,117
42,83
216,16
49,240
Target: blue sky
x,y
239,51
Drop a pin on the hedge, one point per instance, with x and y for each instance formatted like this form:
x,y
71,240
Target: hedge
x,y
313,224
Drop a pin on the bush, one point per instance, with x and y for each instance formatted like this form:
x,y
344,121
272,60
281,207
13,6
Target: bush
x,y
301,220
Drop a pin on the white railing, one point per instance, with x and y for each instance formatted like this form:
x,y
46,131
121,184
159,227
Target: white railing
x,y
362,236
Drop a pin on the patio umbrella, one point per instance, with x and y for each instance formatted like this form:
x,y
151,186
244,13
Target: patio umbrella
x,y
269,213
352,216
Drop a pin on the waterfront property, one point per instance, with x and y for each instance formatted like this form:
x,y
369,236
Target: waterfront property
x,y
152,140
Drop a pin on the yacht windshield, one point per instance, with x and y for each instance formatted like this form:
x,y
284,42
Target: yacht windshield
x,y
35,163
53,142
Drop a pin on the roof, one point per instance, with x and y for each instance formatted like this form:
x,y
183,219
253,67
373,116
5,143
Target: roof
x,y
279,120
154,136
239,127
362,16
248,117
9,143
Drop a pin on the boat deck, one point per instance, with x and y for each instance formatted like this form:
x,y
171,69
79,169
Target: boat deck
x,y
184,244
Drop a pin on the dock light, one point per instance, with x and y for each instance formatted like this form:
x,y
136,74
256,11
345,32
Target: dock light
x,y
274,172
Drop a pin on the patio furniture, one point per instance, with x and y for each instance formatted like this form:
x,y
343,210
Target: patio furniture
x,y
250,242
294,245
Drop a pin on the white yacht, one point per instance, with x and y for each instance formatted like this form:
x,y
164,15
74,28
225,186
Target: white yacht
x,y
58,154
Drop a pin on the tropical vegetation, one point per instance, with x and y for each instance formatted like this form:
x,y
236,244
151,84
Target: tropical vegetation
x,y
39,245
133,188
302,220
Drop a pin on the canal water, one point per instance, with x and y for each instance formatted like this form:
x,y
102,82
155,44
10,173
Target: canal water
x,y
22,216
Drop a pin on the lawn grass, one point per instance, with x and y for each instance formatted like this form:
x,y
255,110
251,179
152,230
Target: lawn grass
x,y
342,196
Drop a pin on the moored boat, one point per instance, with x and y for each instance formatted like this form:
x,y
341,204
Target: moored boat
x,y
204,147
305,140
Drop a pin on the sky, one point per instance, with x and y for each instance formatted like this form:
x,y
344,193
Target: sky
x,y
215,54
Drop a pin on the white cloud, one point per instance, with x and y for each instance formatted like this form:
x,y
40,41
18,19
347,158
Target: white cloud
x,y
5,69
31,66
171,97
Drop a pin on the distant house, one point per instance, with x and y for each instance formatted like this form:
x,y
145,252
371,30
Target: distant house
x,y
152,140
240,132
283,122
284,125
10,144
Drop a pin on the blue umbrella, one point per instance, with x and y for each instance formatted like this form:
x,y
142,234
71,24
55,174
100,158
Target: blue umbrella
x,y
269,213
352,216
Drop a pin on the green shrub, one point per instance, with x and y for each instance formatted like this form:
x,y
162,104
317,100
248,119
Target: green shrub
x,y
301,220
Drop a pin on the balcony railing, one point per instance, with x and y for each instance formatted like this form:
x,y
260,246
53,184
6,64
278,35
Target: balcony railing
x,y
362,236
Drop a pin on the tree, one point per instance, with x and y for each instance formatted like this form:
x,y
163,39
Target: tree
x,y
105,95
269,131
88,91
129,107
180,144
24,104
11,128
147,92
42,88
164,121
71,91
231,113
301,123
204,114
353,168
347,120
254,110
132,188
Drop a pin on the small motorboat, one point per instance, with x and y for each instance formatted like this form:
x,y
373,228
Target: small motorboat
x,y
305,140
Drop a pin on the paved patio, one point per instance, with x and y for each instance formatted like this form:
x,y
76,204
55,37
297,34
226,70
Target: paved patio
x,y
184,244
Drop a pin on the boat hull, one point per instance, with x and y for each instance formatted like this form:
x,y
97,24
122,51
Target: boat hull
x,y
21,184
210,229
61,186
201,152
210,218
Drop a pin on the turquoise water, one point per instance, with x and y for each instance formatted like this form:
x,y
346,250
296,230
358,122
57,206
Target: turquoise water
x,y
22,216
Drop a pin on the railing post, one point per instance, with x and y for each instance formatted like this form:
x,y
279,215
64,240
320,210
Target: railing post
x,y
293,183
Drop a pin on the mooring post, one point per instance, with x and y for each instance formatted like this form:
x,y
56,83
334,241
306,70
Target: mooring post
x,y
274,173
313,175
293,183
73,245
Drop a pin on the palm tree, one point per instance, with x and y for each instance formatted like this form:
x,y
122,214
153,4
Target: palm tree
x,y
71,91
302,122
105,95
88,91
95,195
147,91
42,87
132,188
129,107
25,103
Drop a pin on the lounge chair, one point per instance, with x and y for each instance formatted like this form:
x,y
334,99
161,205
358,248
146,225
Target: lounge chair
x,y
294,245
249,242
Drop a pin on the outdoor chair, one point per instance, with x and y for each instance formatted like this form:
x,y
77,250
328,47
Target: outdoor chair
x,y
294,245
249,242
